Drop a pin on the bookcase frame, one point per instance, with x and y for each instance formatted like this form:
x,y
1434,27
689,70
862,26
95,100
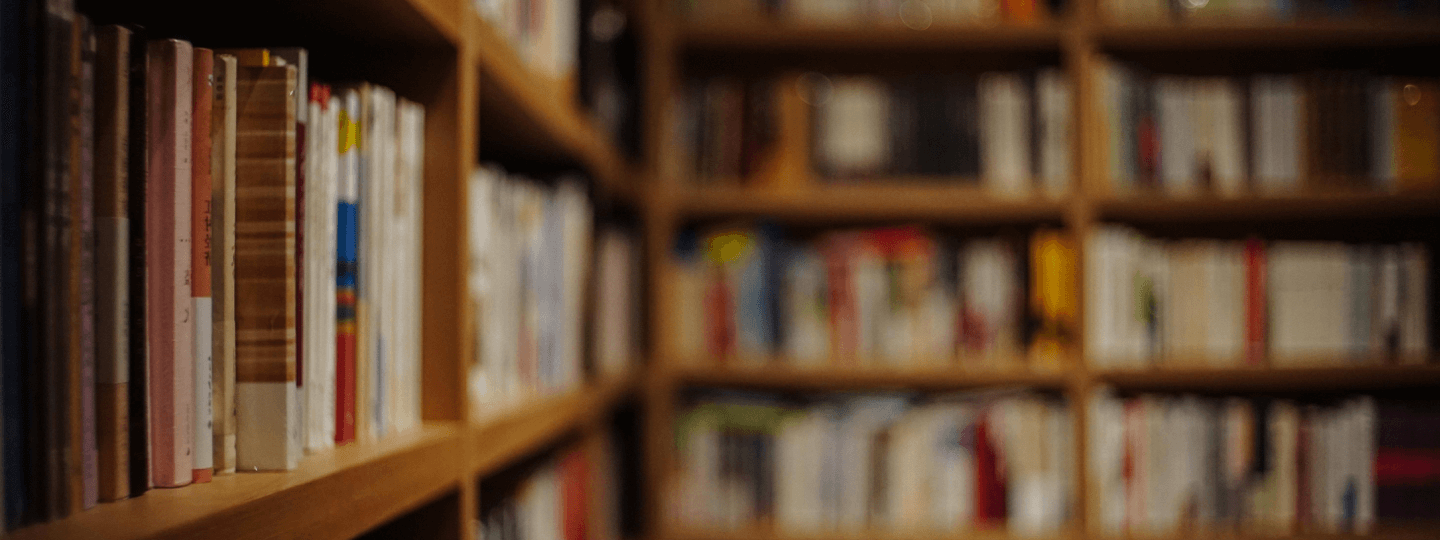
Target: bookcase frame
x,y
1079,36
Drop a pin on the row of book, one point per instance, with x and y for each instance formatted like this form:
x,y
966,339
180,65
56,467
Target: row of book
x,y
1008,132
1161,464
897,296
545,33
916,14
869,463
540,265
1268,134
1247,302
1152,11
191,271
549,500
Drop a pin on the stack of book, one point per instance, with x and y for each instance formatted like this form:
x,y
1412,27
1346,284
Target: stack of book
x,y
180,256
1268,134
547,501
1232,302
1158,11
545,33
1160,464
1009,133
870,463
857,12
530,261
887,297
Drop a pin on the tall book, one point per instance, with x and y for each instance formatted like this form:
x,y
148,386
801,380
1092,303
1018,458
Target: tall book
x,y
347,247
85,467
1417,130
319,293
55,270
299,58
112,253
222,267
137,170
267,419
203,420
170,314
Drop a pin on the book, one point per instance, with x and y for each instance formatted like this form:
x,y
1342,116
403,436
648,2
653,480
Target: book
x,y
85,467
171,322
138,200
112,254
1417,139
347,247
60,69
201,248
224,116
267,423
320,201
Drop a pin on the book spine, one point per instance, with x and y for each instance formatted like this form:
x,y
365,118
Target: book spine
x,y
202,420
266,412
222,234
112,253
1256,304
137,171
54,246
346,267
171,321
89,492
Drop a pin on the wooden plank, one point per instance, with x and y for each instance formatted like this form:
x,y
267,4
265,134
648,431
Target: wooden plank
x,y
762,533
1261,208
529,427
1266,34
830,378
1263,379
907,199
336,494
771,35
537,116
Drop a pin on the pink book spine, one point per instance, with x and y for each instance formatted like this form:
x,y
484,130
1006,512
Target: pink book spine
x,y
169,321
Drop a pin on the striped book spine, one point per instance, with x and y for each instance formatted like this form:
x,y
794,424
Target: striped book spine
x,y
347,246
265,402
202,422
222,248
170,320
112,253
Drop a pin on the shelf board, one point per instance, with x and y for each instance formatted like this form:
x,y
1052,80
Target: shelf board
x,y
537,117
1270,208
758,533
828,378
367,484
1240,34
1274,379
881,200
529,427
771,35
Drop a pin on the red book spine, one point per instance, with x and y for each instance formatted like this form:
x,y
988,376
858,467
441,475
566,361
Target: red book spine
x,y
169,320
1303,506
574,478
203,94
345,373
1255,305
989,487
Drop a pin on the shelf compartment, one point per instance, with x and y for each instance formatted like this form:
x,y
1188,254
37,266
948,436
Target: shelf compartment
x,y
533,117
830,378
367,483
882,200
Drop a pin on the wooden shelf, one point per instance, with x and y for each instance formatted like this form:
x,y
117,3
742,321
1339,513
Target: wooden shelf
x,y
336,494
1202,35
756,533
1362,378
532,426
829,378
1276,208
771,35
537,118
881,200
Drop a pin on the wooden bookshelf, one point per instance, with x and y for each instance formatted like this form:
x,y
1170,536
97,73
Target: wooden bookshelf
x,y
751,46
530,426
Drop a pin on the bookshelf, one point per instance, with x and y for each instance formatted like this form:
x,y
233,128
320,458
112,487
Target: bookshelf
x,y
709,46
476,91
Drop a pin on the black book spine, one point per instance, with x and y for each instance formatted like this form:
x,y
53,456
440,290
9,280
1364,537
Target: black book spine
x,y
139,353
